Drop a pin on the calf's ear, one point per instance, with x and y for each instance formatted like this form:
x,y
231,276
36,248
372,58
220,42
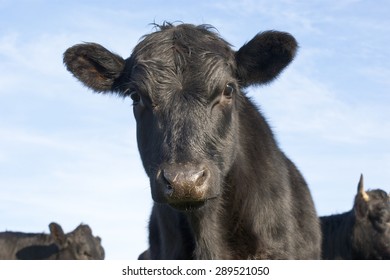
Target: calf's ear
x,y
264,57
57,233
95,66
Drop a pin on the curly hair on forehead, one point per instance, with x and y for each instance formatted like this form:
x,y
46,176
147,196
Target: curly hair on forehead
x,y
186,37
169,25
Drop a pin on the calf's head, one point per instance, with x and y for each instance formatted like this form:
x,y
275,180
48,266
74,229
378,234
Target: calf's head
x,y
372,212
79,244
185,82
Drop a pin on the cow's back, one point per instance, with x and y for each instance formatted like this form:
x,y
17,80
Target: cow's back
x,y
18,245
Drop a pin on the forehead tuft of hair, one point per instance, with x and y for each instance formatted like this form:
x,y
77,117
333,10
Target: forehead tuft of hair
x,y
168,25
200,38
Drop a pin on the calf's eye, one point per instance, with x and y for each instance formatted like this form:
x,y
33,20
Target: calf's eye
x,y
228,91
135,97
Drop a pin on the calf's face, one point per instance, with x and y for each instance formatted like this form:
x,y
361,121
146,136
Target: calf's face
x,y
79,244
185,83
184,98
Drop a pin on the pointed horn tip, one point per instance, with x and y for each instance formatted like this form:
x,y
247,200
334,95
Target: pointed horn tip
x,y
361,189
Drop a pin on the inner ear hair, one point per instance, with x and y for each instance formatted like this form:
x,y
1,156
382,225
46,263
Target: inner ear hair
x,y
95,66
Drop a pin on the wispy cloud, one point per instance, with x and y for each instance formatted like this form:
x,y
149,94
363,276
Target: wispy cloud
x,y
304,105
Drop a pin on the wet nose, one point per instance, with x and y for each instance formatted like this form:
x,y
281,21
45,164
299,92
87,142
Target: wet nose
x,y
185,182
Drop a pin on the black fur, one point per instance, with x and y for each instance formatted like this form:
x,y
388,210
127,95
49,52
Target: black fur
x,y
222,187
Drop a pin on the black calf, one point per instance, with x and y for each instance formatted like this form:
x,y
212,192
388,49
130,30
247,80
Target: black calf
x,y
222,187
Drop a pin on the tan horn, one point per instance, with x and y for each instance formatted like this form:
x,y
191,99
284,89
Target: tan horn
x,y
361,190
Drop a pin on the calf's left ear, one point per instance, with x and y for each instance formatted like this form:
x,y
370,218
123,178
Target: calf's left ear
x,y
264,57
95,66
57,233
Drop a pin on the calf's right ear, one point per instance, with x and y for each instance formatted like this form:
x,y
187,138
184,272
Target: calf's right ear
x,y
95,66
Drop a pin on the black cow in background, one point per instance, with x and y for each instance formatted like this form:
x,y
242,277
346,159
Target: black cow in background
x,y
361,233
222,187
79,244
144,256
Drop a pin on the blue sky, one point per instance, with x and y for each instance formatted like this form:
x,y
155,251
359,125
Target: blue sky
x,y
70,156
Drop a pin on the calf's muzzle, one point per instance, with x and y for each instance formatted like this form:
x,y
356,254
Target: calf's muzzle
x,y
184,184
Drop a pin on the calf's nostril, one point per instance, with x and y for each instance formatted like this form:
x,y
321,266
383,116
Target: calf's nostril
x,y
200,177
168,177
